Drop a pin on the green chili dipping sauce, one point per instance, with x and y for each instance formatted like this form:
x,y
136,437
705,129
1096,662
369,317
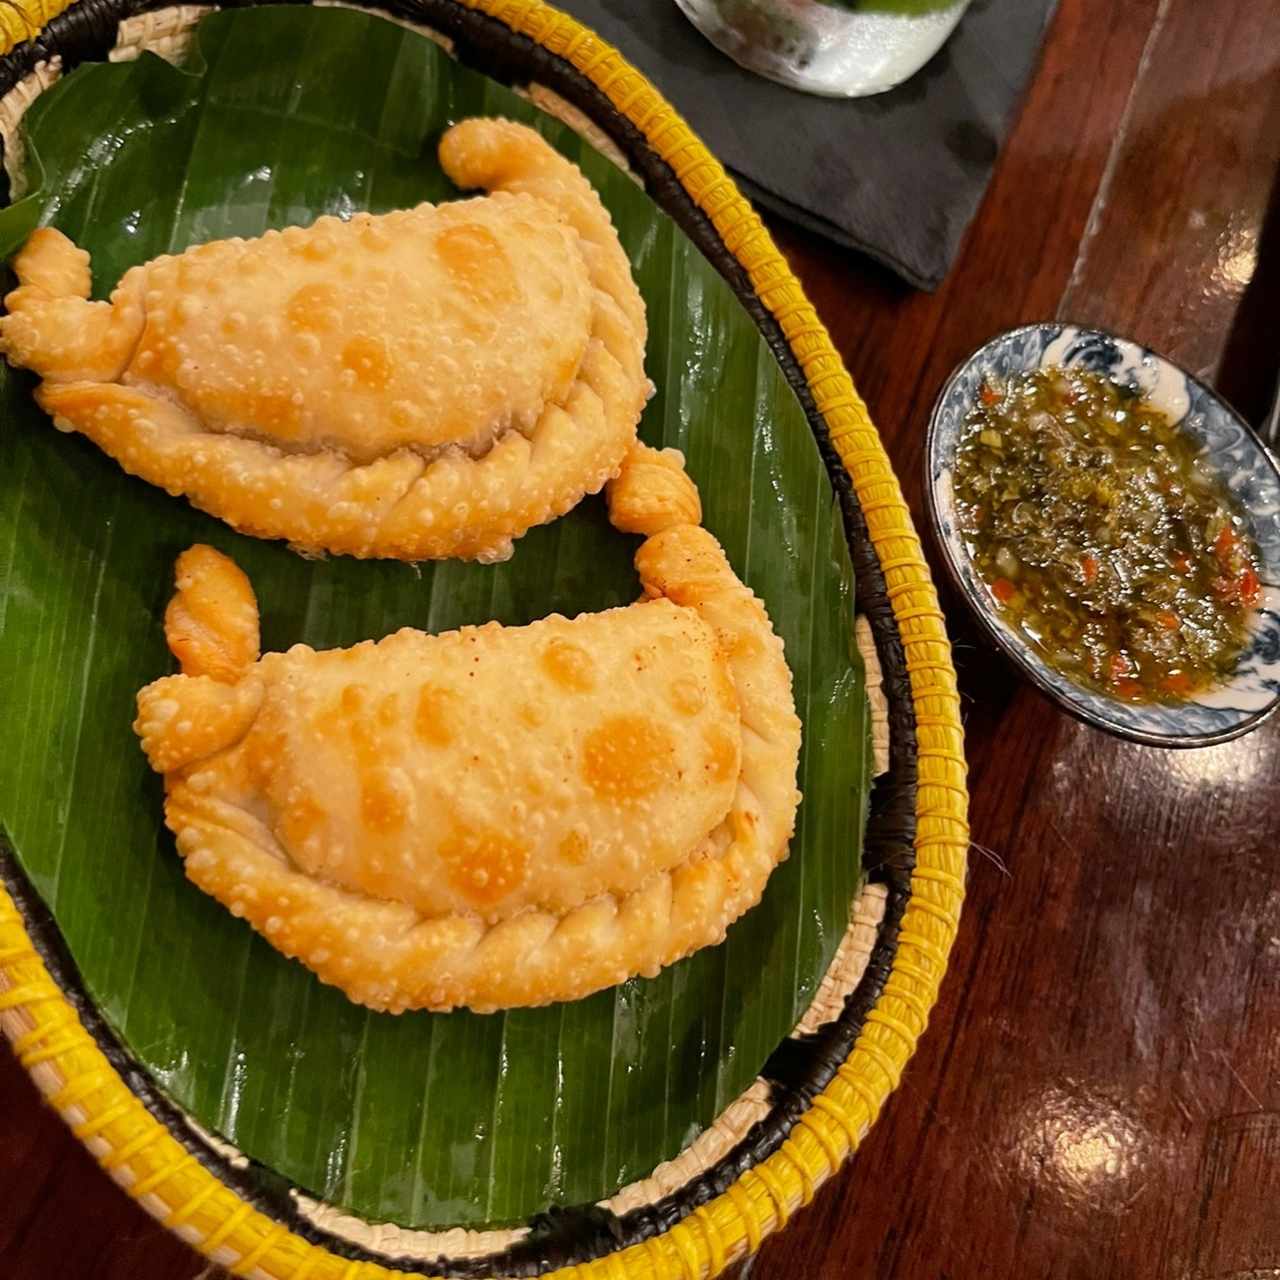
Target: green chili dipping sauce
x,y
1102,538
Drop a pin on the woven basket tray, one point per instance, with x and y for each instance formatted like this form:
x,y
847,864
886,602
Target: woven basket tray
x,y
822,1089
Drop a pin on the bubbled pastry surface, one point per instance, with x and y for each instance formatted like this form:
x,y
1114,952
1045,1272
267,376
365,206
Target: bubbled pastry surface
x,y
493,817
416,385
420,328
493,769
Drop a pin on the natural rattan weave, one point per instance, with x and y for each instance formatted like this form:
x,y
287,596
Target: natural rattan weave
x,y
167,1178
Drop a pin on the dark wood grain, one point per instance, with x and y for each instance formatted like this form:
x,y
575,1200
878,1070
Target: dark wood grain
x,y
1099,1091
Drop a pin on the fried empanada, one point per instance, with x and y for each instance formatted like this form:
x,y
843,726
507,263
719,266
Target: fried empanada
x,y
492,817
420,384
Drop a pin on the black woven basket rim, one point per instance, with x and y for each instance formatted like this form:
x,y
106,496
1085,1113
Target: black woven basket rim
x,y
800,1067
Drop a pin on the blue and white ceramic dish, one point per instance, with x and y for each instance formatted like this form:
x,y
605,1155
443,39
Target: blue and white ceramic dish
x,y
1230,449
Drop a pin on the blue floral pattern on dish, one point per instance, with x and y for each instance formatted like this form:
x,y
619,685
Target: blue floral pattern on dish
x,y
1229,448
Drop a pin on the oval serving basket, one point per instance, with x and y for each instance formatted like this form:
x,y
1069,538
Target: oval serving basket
x,y
823,1086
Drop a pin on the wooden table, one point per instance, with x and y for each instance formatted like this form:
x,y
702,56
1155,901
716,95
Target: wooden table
x,y
1099,1092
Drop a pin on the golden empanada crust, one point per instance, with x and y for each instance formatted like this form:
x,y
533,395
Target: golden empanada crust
x,y
491,817
414,330
424,383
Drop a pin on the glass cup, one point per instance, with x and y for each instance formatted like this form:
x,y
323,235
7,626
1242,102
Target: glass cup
x,y
837,48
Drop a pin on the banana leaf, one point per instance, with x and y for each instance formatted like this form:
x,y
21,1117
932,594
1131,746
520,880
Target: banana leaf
x,y
280,115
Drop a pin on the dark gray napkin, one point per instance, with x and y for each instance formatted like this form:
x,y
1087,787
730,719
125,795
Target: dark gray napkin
x,y
899,175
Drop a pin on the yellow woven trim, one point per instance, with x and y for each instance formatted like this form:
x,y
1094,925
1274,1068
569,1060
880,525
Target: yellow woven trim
x,y
715,1243
75,1076
145,1158
22,19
